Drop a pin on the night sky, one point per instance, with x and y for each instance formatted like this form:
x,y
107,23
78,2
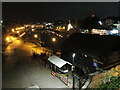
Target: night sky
x,y
38,11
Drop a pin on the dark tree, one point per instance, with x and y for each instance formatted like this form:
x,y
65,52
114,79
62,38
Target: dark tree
x,y
90,23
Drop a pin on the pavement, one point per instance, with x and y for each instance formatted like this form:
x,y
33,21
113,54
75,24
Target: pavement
x,y
22,71
33,73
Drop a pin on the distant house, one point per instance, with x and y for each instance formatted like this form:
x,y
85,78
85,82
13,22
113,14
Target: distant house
x,y
92,51
109,21
105,31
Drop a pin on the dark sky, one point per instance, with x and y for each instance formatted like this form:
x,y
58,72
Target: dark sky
x,y
57,11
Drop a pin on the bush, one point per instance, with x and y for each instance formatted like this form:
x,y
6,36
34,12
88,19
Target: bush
x,y
110,82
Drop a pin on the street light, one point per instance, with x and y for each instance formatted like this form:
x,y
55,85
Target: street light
x,y
53,39
32,26
73,68
73,55
7,38
13,30
33,30
35,36
1,21
100,22
17,31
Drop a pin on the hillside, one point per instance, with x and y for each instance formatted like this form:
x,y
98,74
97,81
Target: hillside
x,y
105,79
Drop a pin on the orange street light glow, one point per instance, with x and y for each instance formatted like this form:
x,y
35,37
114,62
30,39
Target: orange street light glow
x,y
12,38
17,31
36,36
32,26
33,30
7,39
53,39
13,30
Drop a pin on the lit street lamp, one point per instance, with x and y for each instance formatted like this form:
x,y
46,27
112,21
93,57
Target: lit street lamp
x,y
17,31
53,39
35,36
73,68
8,39
100,22
13,30
33,30
32,26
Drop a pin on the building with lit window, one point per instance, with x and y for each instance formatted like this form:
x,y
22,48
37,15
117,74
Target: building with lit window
x,y
103,31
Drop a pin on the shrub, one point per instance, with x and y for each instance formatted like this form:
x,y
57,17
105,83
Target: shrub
x,y
110,83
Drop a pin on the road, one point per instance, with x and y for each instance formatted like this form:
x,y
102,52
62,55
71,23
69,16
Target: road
x,y
20,70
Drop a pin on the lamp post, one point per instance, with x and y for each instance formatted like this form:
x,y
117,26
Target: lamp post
x,y
73,68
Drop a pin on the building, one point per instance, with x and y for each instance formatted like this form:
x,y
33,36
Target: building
x,y
118,27
110,21
105,31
